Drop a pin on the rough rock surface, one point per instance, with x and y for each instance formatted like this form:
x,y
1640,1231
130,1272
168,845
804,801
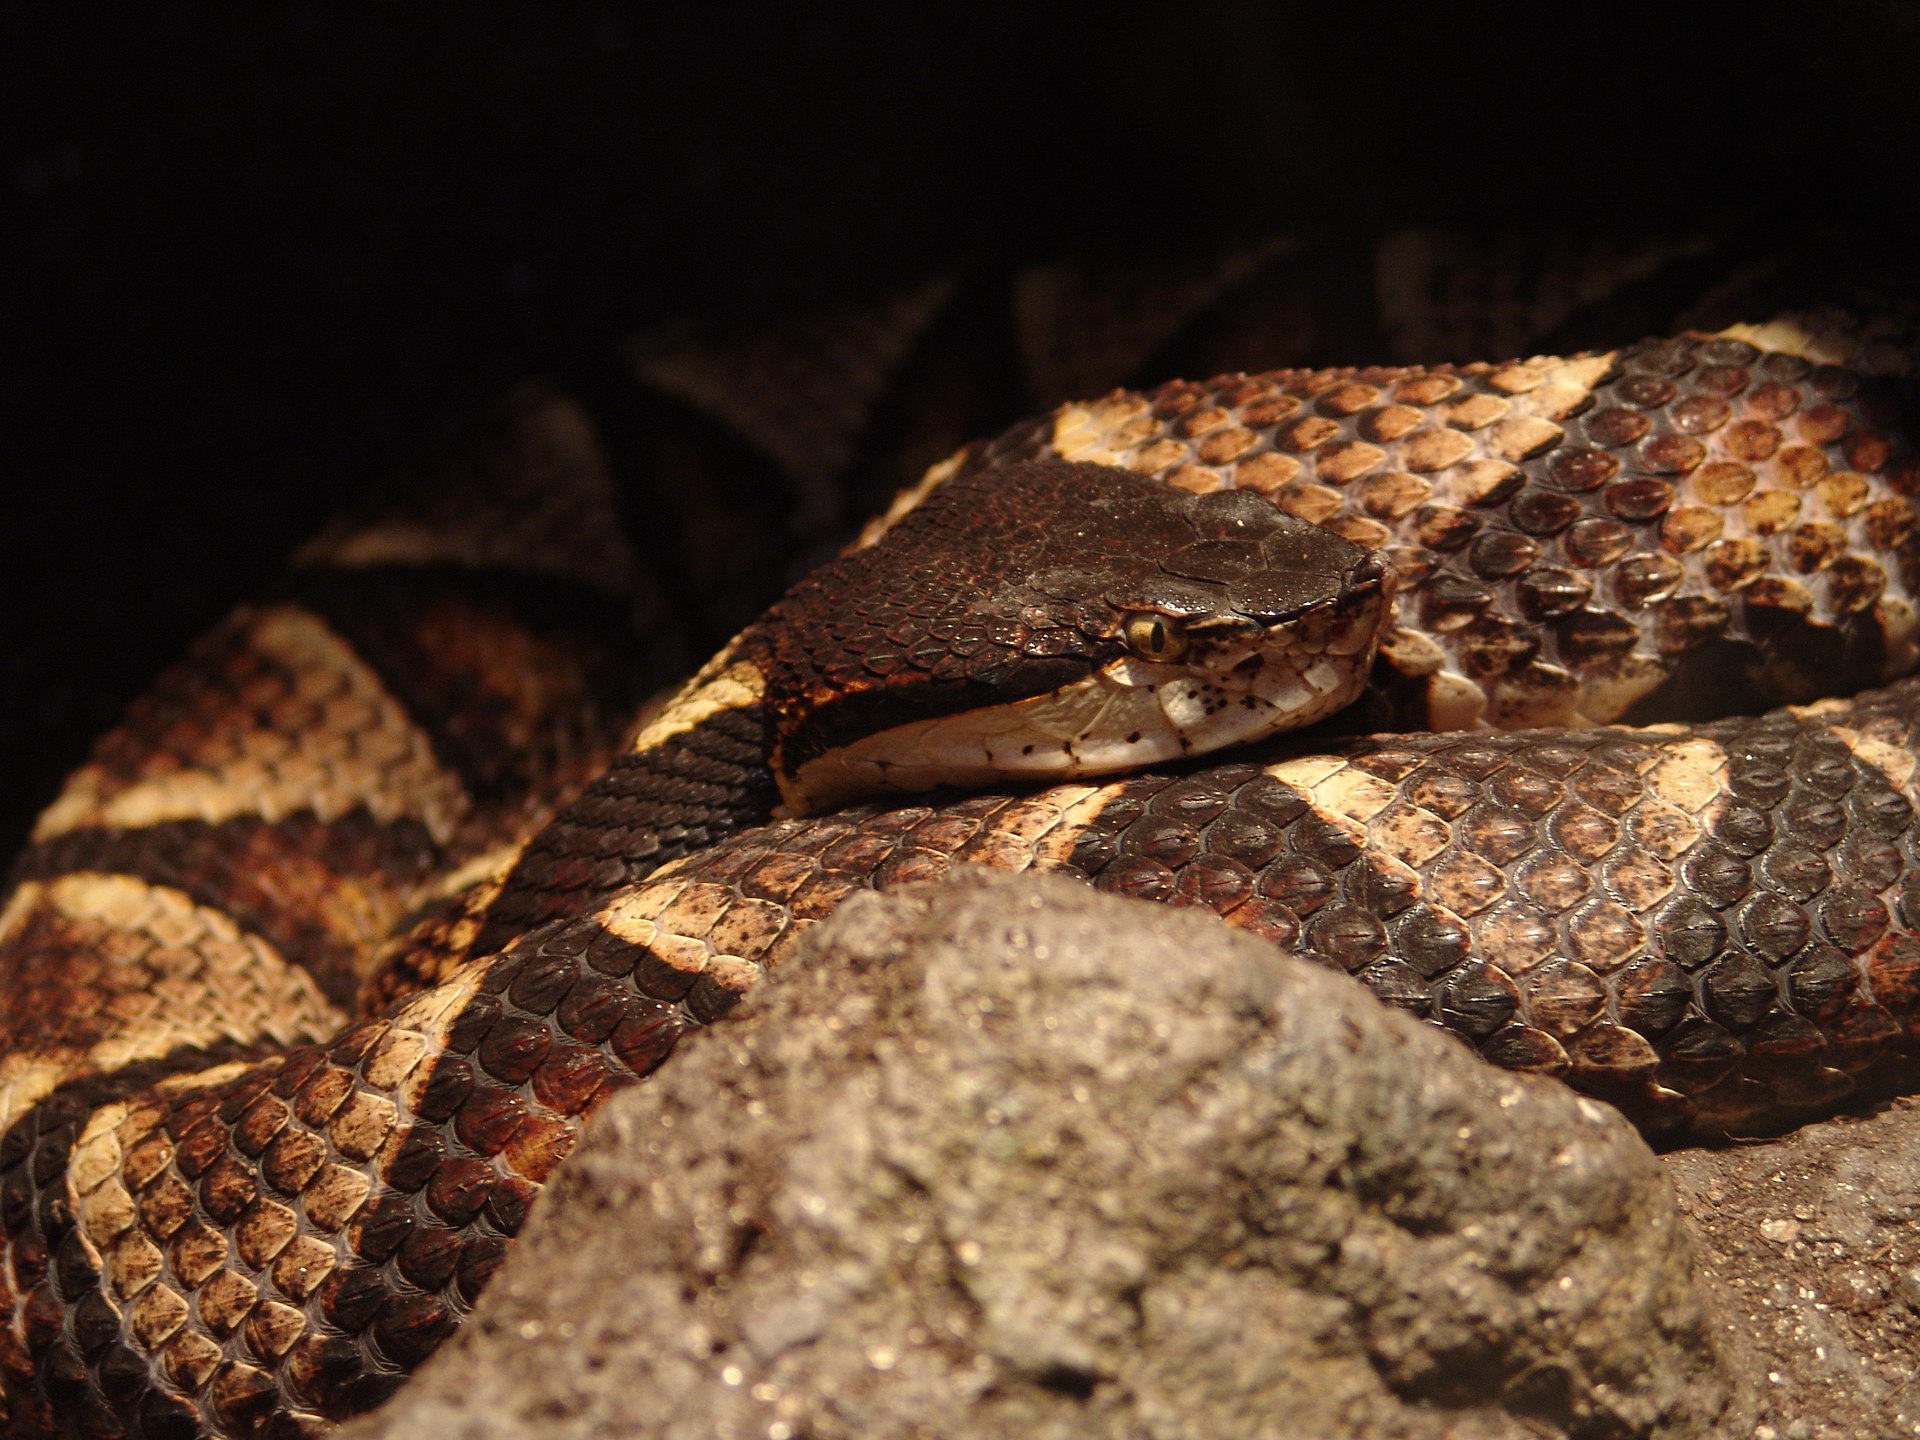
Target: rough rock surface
x,y
1808,1253
1004,1157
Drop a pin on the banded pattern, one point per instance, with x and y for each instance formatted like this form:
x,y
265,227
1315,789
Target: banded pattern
x,y
206,1231
1678,528
146,1289
1715,927
223,876
1710,927
760,438
986,634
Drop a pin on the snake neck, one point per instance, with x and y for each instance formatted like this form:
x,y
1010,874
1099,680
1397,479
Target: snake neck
x,y
694,775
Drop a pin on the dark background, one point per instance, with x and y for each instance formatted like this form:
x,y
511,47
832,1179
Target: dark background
x,y
252,251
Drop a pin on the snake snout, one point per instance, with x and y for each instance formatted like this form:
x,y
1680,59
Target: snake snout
x,y
1371,573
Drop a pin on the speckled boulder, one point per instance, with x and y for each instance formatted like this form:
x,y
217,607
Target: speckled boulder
x,y
1002,1157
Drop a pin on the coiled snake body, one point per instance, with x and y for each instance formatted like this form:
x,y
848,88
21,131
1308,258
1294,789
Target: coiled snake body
x,y
228,1209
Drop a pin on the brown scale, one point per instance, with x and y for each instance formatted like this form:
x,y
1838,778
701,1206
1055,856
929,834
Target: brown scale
x,y
1715,931
320,757
322,893
902,629
214,1249
1678,528
1712,927
223,1259
999,587
217,880
116,1207
754,440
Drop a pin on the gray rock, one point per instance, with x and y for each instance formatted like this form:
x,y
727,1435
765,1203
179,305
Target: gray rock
x,y
1003,1157
1808,1254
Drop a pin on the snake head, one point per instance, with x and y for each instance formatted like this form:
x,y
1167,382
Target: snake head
x,y
1045,619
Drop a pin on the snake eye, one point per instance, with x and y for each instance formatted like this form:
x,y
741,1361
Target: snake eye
x,y
1156,637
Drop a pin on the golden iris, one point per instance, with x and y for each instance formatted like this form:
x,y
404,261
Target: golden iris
x,y
1161,638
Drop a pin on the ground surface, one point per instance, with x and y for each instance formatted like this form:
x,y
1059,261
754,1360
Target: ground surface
x,y
1808,1249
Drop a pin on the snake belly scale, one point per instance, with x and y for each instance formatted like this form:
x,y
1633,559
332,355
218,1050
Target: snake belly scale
x,y
228,1208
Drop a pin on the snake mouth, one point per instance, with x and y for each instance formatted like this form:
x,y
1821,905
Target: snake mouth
x,y
1242,679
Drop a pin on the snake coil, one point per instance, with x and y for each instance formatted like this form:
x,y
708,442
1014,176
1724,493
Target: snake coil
x,y
398,788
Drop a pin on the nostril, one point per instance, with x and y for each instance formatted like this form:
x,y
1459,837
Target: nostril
x,y
1368,572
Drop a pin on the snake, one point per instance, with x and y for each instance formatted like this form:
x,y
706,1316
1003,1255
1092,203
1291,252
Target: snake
x,y
315,969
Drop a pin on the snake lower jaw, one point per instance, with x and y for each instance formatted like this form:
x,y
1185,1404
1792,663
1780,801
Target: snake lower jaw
x,y
1128,714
